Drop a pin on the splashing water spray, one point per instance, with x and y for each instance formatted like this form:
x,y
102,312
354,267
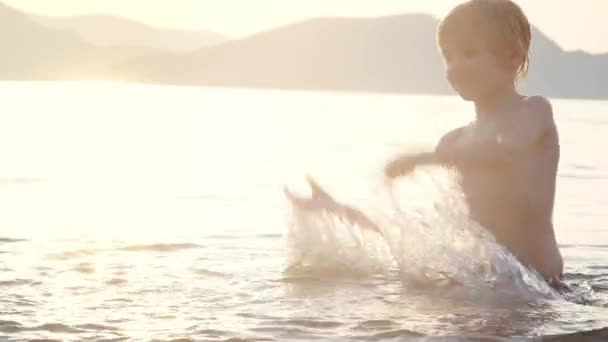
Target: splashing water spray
x,y
426,233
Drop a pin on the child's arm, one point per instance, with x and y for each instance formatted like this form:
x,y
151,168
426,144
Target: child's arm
x,y
407,163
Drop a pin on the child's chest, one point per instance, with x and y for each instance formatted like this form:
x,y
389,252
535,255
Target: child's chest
x,y
487,132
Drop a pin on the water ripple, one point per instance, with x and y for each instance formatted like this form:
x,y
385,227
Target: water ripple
x,y
85,268
376,325
57,328
75,254
116,281
18,282
10,326
307,323
269,236
13,327
394,334
208,273
97,327
583,336
11,240
160,247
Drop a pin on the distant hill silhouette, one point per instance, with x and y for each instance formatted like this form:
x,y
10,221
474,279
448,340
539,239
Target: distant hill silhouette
x,y
109,31
394,54
32,51
385,54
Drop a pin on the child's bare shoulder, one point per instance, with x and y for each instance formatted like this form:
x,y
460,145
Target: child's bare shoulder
x,y
537,109
451,136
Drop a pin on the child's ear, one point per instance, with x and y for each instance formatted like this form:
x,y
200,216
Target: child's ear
x,y
516,59
512,60
515,62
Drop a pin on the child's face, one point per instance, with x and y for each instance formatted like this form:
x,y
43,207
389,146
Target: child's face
x,y
473,71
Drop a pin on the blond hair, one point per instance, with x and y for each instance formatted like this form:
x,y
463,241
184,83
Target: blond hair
x,y
500,23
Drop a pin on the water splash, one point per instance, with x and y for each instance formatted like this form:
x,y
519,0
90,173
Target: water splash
x,y
425,231
323,245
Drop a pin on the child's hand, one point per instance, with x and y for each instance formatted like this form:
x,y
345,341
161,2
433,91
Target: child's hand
x,y
399,167
408,163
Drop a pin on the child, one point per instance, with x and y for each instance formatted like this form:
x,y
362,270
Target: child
x,y
507,158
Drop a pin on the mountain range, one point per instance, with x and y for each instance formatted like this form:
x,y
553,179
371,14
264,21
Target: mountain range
x,y
390,54
108,31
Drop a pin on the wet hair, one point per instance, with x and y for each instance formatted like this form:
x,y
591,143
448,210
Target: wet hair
x,y
501,24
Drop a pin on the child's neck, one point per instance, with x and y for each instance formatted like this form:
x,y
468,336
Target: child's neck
x,y
496,103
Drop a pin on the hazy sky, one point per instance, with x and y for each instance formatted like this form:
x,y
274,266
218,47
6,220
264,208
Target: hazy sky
x,y
574,24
